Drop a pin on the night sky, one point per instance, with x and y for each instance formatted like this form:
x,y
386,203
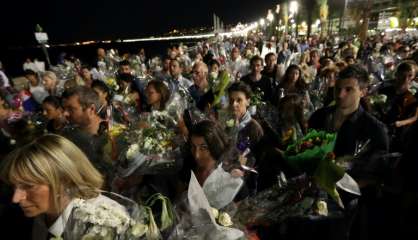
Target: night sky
x,y
80,20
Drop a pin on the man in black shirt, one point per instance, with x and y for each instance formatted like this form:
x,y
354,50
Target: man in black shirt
x,y
355,128
257,81
354,125
270,70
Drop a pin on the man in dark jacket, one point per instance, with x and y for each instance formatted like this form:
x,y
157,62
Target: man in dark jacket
x,y
356,130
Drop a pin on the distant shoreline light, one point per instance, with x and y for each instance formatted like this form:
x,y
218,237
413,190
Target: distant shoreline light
x,y
239,32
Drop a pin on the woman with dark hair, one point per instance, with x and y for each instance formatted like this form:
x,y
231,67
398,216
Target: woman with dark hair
x,y
130,92
157,94
104,92
247,132
239,101
292,81
208,143
292,122
215,164
53,111
402,104
105,96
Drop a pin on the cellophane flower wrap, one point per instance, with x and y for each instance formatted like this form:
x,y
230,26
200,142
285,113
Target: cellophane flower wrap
x,y
305,195
197,217
105,217
150,145
295,197
313,155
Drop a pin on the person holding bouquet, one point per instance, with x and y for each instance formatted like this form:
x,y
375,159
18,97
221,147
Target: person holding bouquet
x,y
246,131
54,113
56,184
359,134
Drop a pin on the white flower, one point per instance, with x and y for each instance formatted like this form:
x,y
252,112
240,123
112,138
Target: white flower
x,y
383,98
321,208
230,123
139,229
224,219
132,151
215,212
56,238
104,217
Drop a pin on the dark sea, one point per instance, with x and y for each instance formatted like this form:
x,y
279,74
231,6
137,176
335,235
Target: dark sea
x,y
14,57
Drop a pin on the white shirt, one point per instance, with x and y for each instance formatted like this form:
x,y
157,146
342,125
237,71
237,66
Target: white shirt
x,y
6,82
240,65
40,229
38,92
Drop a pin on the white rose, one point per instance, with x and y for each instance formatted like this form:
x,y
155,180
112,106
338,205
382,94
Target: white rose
x,y
322,209
132,151
230,123
215,212
139,229
384,98
225,220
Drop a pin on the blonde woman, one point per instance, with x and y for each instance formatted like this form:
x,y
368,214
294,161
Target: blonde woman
x,y
52,84
55,183
308,72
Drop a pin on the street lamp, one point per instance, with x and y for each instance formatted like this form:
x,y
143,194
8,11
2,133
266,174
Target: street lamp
x,y
293,8
42,39
270,16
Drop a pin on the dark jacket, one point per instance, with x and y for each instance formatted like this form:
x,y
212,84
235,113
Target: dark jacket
x,y
356,130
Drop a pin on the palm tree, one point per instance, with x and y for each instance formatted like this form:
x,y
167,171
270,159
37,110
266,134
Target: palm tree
x,y
323,15
365,24
359,13
407,11
309,5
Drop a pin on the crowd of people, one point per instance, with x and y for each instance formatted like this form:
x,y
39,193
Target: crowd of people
x,y
222,112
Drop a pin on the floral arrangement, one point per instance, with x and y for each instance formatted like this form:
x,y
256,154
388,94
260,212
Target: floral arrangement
x,y
219,85
312,193
25,127
379,104
313,155
154,139
378,99
90,220
106,220
222,218
256,98
314,140
149,143
167,214
296,197
112,84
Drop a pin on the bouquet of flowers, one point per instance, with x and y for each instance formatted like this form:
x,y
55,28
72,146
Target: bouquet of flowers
x,y
296,197
198,219
116,217
112,83
149,146
378,99
24,127
379,104
104,222
312,194
219,84
256,100
313,155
